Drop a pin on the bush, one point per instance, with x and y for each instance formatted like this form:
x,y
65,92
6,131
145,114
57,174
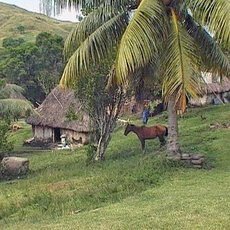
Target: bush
x,y
5,145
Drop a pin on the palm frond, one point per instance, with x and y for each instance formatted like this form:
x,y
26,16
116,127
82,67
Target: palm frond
x,y
182,69
86,27
142,38
95,47
215,15
15,107
11,90
214,59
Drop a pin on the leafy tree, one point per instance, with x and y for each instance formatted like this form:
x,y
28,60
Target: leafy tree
x,y
20,67
169,35
50,48
34,66
102,105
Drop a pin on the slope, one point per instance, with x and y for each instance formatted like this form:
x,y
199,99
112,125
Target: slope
x,y
19,23
129,190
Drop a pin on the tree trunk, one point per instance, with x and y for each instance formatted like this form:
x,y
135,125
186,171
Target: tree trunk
x,y
173,147
102,146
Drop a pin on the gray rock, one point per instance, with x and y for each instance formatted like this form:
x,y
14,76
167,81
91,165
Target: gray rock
x,y
14,166
197,156
198,162
185,156
174,157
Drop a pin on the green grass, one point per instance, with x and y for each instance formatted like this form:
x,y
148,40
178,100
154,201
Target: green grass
x,y
129,190
18,137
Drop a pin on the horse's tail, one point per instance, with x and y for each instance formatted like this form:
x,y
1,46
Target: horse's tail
x,y
166,131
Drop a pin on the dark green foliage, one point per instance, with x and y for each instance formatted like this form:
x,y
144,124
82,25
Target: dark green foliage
x,y
12,43
5,145
34,66
21,29
73,116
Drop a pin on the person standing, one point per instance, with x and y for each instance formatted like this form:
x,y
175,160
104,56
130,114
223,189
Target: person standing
x,y
145,114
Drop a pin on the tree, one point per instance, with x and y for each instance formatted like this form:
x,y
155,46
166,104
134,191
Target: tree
x,y
186,36
13,104
102,104
50,59
34,66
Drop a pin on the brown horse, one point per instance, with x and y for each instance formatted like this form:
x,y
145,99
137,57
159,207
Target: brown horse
x,y
145,133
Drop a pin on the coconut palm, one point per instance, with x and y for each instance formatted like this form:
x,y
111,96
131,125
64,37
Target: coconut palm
x,y
187,36
12,102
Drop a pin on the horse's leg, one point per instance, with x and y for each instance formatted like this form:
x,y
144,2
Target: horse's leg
x,y
143,145
162,140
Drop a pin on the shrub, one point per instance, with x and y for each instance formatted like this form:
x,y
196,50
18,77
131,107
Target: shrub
x,y
5,145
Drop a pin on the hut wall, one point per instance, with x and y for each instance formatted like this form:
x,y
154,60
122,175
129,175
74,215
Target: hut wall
x,y
47,133
199,101
43,133
209,99
77,137
226,97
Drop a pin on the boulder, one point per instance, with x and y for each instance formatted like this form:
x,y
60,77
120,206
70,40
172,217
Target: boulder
x,y
198,162
175,157
14,167
185,156
197,156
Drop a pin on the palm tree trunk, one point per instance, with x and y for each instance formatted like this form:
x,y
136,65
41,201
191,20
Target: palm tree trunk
x,y
173,147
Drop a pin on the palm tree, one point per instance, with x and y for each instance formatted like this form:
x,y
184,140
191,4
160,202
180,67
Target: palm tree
x,y
187,36
12,102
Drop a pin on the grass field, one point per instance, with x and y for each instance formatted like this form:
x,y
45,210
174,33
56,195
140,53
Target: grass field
x,y
129,190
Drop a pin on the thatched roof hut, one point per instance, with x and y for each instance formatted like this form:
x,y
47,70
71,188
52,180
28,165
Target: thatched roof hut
x,y
214,93
217,88
60,113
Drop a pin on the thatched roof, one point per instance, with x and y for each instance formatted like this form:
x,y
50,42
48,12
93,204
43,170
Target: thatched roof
x,y
54,110
222,87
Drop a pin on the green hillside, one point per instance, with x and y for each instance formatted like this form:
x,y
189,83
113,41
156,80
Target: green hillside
x,y
16,22
128,190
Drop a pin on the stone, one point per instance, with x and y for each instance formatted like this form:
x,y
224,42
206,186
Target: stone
x,y
198,162
186,162
197,156
14,166
174,157
185,156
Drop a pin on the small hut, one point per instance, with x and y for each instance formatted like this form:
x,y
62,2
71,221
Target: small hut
x,y
60,114
214,93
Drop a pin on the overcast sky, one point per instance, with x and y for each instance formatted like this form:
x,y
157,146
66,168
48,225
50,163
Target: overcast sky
x,y
33,5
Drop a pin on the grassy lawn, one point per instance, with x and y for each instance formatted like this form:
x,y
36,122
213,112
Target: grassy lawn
x,y
129,190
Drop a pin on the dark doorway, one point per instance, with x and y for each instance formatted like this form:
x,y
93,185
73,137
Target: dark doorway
x,y
57,135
